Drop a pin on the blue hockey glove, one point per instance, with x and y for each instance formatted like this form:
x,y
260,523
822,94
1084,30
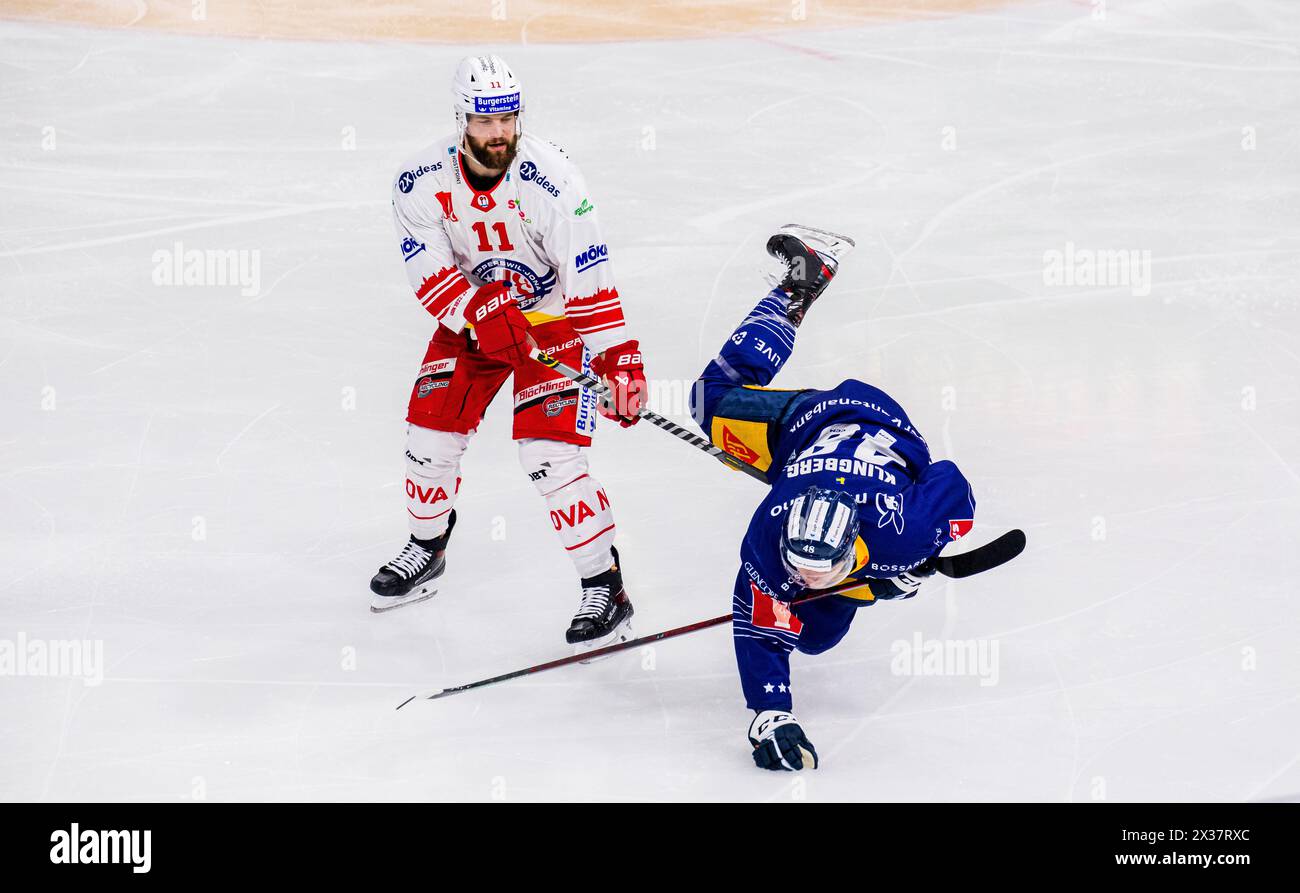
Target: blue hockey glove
x,y
904,585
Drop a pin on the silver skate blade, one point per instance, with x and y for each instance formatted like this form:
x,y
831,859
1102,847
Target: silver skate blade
x,y
823,241
620,633
380,604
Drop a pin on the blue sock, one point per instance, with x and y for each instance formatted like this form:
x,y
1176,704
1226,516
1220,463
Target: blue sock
x,y
753,355
761,344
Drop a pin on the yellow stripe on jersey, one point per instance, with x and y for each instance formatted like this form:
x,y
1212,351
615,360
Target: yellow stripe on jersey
x,y
537,317
860,554
861,593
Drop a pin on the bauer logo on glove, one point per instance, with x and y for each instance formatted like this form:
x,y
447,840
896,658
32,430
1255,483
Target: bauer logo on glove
x,y
484,310
502,331
621,369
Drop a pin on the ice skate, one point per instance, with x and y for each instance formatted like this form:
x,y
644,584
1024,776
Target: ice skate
x,y
811,257
409,578
605,615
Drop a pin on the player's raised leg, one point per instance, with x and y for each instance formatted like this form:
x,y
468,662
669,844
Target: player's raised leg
x,y
811,257
758,348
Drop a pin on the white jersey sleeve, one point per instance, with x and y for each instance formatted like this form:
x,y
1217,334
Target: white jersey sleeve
x,y
572,238
427,252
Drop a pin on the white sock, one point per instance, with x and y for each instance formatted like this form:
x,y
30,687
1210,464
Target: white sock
x,y
432,479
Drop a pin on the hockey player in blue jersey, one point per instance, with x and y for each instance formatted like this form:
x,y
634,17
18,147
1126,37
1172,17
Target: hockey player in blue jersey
x,y
854,494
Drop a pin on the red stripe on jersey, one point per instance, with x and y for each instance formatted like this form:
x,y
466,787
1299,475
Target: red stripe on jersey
x,y
593,309
597,312
582,302
440,289
610,327
440,278
439,307
608,318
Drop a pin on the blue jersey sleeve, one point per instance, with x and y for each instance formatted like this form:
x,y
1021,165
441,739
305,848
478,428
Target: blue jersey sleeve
x,y
764,631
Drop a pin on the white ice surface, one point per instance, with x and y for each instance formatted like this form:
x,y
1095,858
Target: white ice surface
x,y
1149,445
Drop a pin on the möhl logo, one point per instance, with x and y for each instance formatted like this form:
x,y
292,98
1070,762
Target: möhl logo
x,y
411,247
593,256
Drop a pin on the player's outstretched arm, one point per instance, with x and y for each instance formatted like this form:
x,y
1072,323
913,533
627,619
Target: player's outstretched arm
x,y
765,631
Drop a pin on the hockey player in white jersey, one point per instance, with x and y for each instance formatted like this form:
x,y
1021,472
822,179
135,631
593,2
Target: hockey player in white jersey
x,y
502,245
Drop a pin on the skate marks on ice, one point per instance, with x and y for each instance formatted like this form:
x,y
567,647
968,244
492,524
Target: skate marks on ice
x,y
1121,655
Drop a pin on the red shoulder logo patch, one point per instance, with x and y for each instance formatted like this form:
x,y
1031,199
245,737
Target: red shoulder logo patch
x,y
736,447
772,614
444,199
958,529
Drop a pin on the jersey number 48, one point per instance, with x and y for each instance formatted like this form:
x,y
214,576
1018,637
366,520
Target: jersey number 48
x,y
872,448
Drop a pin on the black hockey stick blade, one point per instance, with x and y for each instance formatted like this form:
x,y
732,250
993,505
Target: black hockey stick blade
x,y
983,558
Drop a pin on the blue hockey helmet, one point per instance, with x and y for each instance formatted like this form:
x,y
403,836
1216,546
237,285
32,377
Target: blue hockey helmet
x,y
817,541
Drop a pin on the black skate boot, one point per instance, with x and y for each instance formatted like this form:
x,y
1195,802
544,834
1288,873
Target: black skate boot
x,y
605,615
409,577
811,257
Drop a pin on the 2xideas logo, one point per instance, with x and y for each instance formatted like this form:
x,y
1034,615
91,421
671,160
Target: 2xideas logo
x,y
529,173
406,181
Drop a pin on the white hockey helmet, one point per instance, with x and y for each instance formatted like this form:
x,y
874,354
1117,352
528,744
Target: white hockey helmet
x,y
485,85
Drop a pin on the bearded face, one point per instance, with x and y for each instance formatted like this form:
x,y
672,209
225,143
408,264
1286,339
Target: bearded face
x,y
492,140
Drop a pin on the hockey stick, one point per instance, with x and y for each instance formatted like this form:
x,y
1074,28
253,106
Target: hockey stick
x,y
1005,542
976,561
598,387
1012,541
610,649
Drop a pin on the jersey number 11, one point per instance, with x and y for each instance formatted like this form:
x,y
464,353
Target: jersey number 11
x,y
500,229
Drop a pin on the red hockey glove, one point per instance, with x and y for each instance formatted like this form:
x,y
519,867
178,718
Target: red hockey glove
x,y
501,329
621,369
